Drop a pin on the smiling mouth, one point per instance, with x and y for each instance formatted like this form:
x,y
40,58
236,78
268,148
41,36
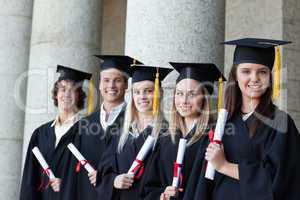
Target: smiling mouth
x,y
144,103
111,92
255,86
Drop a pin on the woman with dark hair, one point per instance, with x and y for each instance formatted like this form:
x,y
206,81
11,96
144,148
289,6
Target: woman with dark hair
x,y
259,155
52,139
191,120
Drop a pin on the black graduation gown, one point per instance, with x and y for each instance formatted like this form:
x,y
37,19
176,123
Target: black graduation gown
x,y
268,162
59,159
120,164
94,141
159,172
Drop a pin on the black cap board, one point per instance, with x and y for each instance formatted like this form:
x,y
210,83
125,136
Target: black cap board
x,y
67,73
119,62
255,50
206,73
143,72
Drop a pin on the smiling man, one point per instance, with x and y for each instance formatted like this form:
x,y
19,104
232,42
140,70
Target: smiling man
x,y
52,139
96,130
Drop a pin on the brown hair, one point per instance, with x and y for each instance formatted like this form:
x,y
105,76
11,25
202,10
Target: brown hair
x,y
177,121
233,100
81,94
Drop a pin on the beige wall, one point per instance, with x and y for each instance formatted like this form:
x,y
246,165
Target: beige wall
x,y
113,26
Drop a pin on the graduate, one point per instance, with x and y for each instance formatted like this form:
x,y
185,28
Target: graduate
x,y
191,119
259,155
144,117
52,138
97,129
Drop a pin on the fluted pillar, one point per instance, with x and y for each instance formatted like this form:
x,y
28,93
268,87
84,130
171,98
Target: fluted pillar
x,y
66,32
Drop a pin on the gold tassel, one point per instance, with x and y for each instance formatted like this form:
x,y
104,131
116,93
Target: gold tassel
x,y
90,98
220,94
156,94
277,70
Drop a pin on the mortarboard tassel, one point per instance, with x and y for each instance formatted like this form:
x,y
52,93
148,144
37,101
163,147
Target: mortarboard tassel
x,y
220,93
156,94
90,99
277,70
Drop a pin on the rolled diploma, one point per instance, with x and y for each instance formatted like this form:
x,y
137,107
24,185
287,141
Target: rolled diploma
x,y
219,132
37,153
179,160
146,148
80,158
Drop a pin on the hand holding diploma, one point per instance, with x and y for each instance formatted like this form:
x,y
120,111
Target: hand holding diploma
x,y
217,137
54,182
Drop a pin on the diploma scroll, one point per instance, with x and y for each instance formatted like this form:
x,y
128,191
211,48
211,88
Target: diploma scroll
x,y
144,151
37,153
218,134
80,158
178,164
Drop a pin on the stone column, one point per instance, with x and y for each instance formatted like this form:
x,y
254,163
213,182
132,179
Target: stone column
x,y
66,32
158,32
15,27
161,31
291,55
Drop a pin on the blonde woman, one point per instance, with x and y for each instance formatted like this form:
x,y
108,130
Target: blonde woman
x,y
190,120
139,123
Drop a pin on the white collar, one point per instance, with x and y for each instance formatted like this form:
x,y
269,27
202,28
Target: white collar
x,y
112,115
116,109
71,119
246,116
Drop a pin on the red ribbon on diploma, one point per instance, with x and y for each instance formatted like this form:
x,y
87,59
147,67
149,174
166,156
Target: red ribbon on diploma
x,y
79,163
44,185
139,167
211,137
176,172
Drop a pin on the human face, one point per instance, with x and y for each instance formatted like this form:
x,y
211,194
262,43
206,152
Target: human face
x,y
112,85
253,79
66,95
143,92
188,98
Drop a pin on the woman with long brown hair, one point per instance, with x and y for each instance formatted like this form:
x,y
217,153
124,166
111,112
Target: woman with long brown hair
x,y
191,118
259,155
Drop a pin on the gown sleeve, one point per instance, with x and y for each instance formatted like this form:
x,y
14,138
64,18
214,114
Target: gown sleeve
x,y
31,173
276,176
152,186
107,172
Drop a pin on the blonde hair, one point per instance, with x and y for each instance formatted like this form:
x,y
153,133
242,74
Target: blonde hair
x,y
131,115
177,121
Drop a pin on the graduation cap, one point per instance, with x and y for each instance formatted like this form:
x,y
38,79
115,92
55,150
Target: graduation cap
x,y
255,50
260,51
202,72
119,62
143,73
150,73
206,73
67,73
